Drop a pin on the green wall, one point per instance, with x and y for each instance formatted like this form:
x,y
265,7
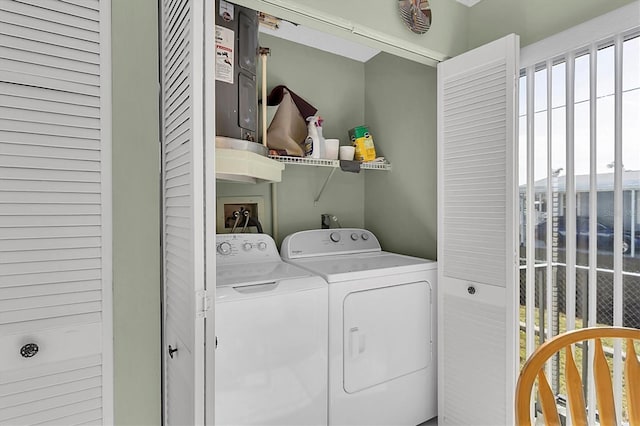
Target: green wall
x,y
334,85
400,108
136,210
532,20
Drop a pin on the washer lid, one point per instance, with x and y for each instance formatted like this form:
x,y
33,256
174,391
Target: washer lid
x,y
257,273
267,279
365,265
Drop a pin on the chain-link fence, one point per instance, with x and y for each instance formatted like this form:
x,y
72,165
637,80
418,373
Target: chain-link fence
x,y
604,297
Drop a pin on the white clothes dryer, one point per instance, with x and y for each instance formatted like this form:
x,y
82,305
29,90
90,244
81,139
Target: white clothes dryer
x,y
271,335
382,331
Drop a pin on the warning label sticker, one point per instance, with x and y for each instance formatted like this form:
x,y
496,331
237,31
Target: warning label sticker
x,y
224,54
226,11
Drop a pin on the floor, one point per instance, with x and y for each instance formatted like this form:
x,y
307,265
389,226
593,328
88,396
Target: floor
x,y
432,422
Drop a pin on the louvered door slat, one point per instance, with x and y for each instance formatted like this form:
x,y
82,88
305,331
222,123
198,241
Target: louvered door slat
x,y
7,15
44,186
51,277
44,47
57,118
33,326
90,417
49,140
53,402
48,243
22,126
45,313
61,98
37,197
47,72
66,8
42,371
45,381
9,269
50,209
180,15
87,51
38,161
46,82
52,13
177,42
49,175
48,289
85,115
88,4
53,228
49,397
20,50
58,415
45,255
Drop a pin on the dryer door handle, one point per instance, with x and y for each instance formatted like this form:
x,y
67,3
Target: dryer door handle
x,y
356,342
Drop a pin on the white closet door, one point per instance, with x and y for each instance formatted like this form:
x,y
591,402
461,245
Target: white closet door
x,y
477,258
55,212
187,182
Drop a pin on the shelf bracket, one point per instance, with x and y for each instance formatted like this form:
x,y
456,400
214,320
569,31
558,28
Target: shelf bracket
x,y
324,185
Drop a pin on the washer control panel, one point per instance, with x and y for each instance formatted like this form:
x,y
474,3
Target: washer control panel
x,y
325,242
238,248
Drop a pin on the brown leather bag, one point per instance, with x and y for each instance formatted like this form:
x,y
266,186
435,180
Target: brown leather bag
x,y
288,128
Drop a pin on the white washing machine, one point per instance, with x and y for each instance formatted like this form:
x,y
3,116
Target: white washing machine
x,y
271,332
382,331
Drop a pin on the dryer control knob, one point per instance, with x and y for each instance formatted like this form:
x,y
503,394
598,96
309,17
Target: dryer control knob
x,y
246,246
354,236
335,237
365,236
262,245
224,248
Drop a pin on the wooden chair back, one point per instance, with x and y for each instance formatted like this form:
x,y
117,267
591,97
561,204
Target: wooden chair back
x,y
534,369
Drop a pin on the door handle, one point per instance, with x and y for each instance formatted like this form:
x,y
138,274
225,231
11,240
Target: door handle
x,y
29,350
172,350
356,342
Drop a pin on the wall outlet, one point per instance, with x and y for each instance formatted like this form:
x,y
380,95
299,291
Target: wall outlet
x,y
232,208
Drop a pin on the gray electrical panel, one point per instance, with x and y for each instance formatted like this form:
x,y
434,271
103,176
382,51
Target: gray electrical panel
x,y
236,60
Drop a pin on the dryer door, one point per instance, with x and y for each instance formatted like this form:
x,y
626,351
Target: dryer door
x,y
387,334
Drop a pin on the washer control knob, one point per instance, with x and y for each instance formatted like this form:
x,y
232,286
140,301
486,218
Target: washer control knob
x,y
262,245
365,236
246,246
335,237
224,248
354,236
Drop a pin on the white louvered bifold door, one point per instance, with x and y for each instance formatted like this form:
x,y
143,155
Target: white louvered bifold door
x,y
188,181
55,212
477,321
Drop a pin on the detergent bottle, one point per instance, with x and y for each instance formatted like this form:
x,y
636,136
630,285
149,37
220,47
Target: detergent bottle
x,y
314,144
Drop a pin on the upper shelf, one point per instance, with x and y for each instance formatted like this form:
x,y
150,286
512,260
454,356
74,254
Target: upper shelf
x,y
379,165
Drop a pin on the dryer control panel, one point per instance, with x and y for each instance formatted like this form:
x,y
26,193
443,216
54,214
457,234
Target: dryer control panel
x,y
327,242
242,248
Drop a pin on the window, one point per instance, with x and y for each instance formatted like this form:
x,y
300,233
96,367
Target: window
x,y
579,177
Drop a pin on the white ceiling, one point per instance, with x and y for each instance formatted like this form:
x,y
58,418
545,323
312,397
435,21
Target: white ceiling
x,y
323,41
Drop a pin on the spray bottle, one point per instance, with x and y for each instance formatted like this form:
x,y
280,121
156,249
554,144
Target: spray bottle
x,y
314,144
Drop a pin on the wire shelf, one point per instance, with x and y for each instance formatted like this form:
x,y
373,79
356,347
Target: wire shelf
x,y
321,162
